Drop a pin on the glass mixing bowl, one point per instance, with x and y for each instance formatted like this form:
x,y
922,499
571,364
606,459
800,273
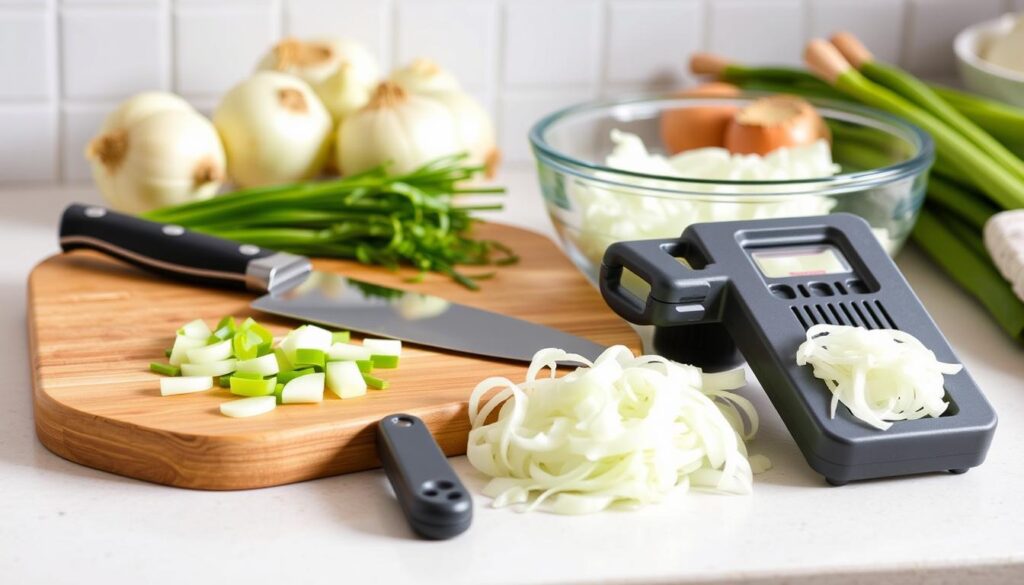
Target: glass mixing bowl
x,y
884,163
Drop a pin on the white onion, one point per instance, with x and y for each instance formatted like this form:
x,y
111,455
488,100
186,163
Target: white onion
x,y
306,337
343,73
275,130
881,375
156,151
425,76
624,430
397,128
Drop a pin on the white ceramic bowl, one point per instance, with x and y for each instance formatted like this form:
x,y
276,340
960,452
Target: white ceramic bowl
x,y
979,75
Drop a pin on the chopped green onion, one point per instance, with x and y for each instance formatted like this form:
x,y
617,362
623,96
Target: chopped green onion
x,y
165,369
167,352
277,392
348,352
373,381
248,375
283,363
285,377
210,369
265,365
195,329
252,387
383,346
309,357
226,322
211,353
341,336
365,366
224,381
184,385
183,343
345,379
384,361
252,406
304,390
246,345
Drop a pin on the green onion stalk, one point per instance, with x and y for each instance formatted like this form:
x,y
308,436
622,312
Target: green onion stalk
x,y
421,219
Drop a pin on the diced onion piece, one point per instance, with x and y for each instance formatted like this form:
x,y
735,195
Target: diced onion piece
x,y
182,344
245,386
252,406
881,375
306,337
185,385
264,365
622,430
383,346
348,352
197,329
304,389
345,379
209,369
384,361
217,352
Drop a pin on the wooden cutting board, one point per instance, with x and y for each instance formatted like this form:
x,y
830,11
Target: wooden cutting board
x,y
95,324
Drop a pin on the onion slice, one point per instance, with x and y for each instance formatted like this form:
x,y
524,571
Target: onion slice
x,y
623,430
880,375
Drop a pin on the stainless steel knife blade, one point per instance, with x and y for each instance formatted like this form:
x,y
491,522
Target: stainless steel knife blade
x,y
344,303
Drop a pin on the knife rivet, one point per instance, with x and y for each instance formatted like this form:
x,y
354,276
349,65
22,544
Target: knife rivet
x,y
95,212
249,249
173,230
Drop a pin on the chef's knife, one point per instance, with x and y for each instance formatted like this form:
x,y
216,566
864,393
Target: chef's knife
x,y
295,290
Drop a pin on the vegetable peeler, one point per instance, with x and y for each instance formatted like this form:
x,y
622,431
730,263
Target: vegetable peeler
x,y
765,283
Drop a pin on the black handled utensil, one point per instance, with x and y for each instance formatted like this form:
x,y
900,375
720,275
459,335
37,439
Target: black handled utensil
x,y
434,501
296,291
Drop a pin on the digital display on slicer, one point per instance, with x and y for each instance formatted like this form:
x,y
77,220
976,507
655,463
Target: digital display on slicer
x,y
800,261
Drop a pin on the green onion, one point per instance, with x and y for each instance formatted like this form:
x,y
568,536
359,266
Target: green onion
x,y
310,357
365,366
167,352
224,381
341,336
285,377
252,387
417,219
165,369
374,382
283,363
975,273
384,361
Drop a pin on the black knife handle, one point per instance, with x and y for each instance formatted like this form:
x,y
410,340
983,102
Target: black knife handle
x,y
176,252
434,501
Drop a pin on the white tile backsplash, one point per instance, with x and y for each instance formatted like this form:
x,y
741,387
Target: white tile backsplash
x,y
520,111
80,123
64,64
932,25
29,146
207,61
648,40
461,35
366,21
26,52
552,43
879,23
766,31
112,51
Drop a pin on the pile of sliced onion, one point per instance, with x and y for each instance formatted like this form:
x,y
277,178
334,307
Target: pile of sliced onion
x,y
622,430
881,375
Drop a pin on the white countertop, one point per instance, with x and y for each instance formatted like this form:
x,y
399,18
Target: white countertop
x,y
63,523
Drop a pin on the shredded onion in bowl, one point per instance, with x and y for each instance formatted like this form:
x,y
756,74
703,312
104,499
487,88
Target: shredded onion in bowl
x,y
622,430
881,375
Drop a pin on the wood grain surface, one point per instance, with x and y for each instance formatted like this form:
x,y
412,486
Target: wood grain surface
x,y
95,324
